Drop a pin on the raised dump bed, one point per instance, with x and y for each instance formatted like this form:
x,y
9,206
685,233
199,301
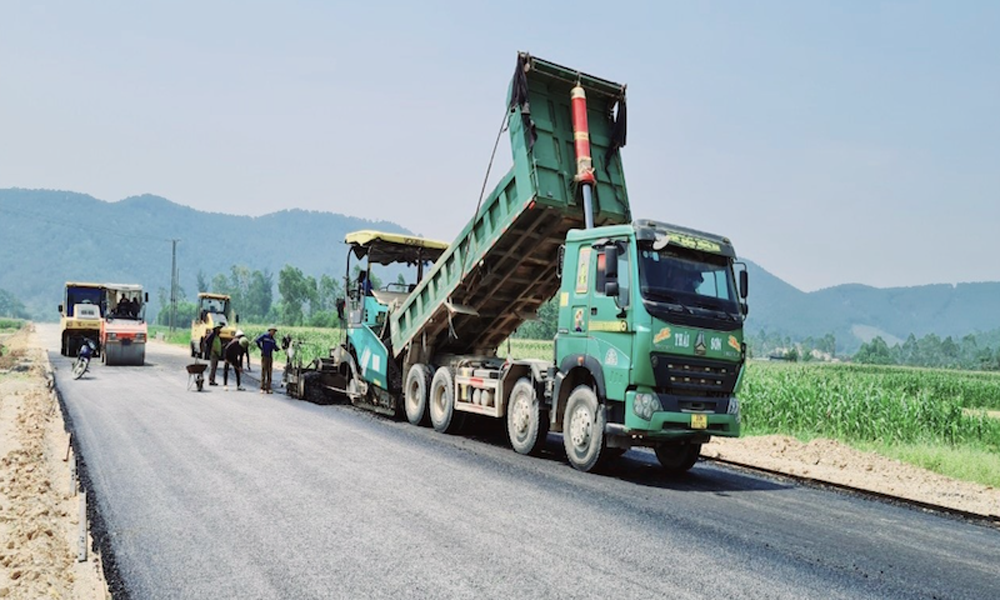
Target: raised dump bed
x,y
502,267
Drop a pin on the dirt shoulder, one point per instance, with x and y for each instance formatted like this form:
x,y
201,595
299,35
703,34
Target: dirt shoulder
x,y
834,462
39,513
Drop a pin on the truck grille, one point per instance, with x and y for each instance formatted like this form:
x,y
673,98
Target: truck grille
x,y
685,375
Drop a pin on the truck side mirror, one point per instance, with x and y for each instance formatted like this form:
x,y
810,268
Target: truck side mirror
x,y
147,296
237,318
744,283
60,309
559,261
612,288
611,263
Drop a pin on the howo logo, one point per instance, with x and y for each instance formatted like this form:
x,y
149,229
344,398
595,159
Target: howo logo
x,y
699,344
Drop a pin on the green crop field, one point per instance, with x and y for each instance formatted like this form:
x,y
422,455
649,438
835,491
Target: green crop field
x,y
936,419
315,341
867,404
942,420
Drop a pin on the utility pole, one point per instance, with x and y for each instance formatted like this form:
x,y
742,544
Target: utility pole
x,y
173,285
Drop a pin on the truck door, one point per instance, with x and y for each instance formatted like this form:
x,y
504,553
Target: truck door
x,y
610,315
592,324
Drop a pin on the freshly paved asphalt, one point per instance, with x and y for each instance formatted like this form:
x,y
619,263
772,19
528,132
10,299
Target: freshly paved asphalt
x,y
241,495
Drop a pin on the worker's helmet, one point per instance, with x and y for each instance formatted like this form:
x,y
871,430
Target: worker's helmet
x,y
272,328
239,333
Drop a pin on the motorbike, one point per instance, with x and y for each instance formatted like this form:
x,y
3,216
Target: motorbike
x,y
87,350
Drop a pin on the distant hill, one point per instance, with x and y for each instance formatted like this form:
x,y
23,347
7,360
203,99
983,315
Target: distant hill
x,y
49,237
857,313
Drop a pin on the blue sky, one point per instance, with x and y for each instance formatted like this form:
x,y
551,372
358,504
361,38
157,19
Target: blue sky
x,y
833,142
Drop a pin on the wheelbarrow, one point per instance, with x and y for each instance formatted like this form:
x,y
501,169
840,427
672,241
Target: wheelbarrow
x,y
196,375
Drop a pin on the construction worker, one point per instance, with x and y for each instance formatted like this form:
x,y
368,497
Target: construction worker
x,y
235,349
240,334
268,346
213,346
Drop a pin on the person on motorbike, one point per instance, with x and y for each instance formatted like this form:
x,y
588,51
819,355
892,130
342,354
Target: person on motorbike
x,y
87,350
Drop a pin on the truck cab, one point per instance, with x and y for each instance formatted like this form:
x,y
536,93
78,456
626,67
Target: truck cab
x,y
80,316
123,329
213,309
651,317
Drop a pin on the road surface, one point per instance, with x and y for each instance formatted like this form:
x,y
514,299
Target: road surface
x,y
241,495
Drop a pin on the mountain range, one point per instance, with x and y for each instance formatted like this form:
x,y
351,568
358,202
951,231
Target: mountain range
x,y
50,237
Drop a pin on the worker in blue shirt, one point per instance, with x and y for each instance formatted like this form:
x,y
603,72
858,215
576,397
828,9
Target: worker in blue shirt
x,y
268,346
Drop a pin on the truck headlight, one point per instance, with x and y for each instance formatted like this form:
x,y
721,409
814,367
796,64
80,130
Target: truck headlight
x,y
140,337
734,408
112,335
645,405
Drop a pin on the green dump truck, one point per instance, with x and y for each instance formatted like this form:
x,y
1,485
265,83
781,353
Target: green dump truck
x,y
649,350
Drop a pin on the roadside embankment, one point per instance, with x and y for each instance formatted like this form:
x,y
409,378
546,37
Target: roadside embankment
x,y
40,507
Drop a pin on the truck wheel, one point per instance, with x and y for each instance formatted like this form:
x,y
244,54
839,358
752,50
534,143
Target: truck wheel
x,y
583,429
526,426
441,402
677,458
418,382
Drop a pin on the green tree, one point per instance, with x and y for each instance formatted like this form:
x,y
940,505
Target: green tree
x,y
202,282
296,291
220,285
259,295
875,352
186,311
545,326
329,289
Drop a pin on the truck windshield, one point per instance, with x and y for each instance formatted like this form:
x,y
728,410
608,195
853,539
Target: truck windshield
x,y
214,305
81,295
688,278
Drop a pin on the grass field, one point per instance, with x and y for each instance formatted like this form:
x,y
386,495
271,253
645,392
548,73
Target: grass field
x,y
941,420
10,324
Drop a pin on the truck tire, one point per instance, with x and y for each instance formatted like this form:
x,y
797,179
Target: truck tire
x,y
527,425
441,402
418,384
677,458
583,429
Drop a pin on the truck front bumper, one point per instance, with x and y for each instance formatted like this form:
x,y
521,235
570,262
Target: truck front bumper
x,y
676,419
